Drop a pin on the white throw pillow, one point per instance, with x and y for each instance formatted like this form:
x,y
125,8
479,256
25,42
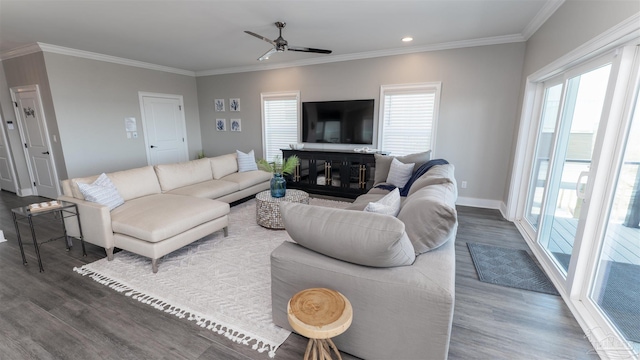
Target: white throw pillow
x,y
246,162
102,191
388,205
399,173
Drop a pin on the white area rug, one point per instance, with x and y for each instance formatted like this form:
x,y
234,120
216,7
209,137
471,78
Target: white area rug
x,y
224,284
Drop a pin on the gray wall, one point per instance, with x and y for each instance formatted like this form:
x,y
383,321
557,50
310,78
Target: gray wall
x,y
29,70
478,107
92,98
572,25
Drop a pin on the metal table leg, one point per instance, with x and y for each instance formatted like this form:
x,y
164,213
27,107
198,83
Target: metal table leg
x,y
67,238
84,252
15,223
35,243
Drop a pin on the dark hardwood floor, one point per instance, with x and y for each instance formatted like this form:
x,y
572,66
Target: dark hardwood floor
x,y
58,314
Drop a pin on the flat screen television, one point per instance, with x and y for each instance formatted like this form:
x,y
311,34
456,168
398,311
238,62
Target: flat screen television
x,y
338,122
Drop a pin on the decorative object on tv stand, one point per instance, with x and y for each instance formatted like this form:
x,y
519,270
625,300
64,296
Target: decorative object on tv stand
x,y
279,168
234,104
221,124
219,105
236,125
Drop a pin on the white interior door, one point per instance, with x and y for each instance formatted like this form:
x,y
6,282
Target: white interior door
x,y
164,128
7,175
35,137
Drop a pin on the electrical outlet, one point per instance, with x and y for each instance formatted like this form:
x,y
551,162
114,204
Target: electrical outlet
x,y
463,185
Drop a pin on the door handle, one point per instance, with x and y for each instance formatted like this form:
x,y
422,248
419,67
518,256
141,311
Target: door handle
x,y
45,153
580,187
153,146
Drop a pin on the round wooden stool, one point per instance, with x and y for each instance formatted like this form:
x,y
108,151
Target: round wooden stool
x,y
319,314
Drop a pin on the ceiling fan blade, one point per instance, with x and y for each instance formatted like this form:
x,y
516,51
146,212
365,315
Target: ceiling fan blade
x,y
267,54
261,37
306,49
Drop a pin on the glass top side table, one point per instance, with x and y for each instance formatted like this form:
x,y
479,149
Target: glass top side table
x,y
25,215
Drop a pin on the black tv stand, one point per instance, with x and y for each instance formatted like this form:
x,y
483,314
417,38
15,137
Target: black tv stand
x,y
340,173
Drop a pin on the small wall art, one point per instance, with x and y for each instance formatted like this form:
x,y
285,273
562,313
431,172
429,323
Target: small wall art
x,y
221,124
234,104
219,104
236,125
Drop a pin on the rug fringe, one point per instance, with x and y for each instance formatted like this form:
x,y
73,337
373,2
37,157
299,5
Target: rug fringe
x,y
259,345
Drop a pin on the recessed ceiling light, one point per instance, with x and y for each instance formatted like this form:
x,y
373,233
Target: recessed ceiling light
x,y
407,39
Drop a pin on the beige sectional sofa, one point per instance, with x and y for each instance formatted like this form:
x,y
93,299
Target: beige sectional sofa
x,y
165,206
397,272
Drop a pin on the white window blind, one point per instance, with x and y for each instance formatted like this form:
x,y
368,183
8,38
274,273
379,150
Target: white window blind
x,y
409,117
280,122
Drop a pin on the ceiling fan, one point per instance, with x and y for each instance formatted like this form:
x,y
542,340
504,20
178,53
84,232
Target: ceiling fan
x,y
281,45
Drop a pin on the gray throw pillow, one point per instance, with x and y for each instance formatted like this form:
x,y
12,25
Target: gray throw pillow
x,y
399,173
354,236
383,163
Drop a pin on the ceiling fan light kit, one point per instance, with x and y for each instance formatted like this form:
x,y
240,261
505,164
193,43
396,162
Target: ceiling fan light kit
x,y
281,45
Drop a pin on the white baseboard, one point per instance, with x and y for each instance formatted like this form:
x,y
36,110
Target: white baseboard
x,y
483,203
503,211
25,192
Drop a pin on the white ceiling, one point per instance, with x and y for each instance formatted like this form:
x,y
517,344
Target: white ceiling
x,y
207,36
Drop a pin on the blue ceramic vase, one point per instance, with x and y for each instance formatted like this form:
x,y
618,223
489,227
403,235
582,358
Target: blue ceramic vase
x,y
278,186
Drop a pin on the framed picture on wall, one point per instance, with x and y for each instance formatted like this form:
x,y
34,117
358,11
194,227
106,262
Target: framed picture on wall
x,y
219,104
234,104
221,124
236,125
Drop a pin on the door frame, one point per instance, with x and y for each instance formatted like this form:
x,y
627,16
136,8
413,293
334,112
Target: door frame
x,y
180,98
9,154
26,88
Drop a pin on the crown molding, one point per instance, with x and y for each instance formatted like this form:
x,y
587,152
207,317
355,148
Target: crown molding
x,y
112,59
36,47
369,54
548,9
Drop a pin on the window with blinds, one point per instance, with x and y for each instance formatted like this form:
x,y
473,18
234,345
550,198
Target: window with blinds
x,y
408,118
279,122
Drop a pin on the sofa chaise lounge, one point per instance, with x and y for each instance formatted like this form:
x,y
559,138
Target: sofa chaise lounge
x,y
165,206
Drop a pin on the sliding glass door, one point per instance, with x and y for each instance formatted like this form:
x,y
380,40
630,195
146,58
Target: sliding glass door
x,y
580,209
570,115
576,133
616,286
544,146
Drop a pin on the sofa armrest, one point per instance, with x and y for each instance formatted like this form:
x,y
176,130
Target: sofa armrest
x,y
95,220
